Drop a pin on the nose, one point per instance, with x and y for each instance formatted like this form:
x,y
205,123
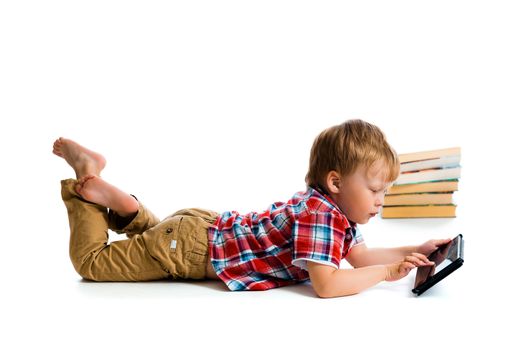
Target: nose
x,y
380,200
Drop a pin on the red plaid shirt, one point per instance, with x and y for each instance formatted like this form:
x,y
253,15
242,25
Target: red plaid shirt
x,y
260,251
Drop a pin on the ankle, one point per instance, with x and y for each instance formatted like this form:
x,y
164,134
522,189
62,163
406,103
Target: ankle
x,y
86,170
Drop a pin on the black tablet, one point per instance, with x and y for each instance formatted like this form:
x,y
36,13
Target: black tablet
x,y
447,258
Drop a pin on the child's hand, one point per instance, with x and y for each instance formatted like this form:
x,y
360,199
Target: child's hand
x,y
428,247
399,270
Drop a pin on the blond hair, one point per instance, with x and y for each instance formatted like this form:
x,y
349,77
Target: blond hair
x,y
345,147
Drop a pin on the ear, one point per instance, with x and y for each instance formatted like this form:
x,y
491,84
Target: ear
x,y
333,181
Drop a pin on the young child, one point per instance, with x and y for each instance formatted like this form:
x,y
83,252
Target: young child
x,y
351,166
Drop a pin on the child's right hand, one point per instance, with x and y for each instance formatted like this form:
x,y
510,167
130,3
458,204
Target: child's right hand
x,y
401,269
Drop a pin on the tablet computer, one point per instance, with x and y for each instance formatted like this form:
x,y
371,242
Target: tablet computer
x,y
447,258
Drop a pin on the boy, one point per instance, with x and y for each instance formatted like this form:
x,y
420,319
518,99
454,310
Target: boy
x,y
351,166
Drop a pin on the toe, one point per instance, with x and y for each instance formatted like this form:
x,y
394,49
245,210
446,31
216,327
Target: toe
x,y
57,152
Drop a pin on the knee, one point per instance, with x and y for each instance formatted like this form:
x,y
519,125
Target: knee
x,y
84,267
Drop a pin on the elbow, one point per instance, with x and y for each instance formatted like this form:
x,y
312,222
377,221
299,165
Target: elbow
x,y
328,294
330,291
321,290
323,294
325,280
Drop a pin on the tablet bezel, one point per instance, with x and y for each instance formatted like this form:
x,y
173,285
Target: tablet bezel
x,y
453,266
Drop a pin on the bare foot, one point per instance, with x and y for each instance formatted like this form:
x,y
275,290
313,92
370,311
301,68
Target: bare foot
x,y
81,159
94,189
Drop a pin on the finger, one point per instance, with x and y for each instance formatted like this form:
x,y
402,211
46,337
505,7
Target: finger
x,y
421,256
406,267
416,261
425,259
443,241
425,262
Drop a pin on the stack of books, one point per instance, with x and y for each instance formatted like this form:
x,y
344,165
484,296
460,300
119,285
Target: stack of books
x,y
425,186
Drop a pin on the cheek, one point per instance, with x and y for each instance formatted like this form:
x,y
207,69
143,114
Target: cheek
x,y
366,200
373,201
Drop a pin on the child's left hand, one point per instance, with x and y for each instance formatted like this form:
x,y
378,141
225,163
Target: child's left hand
x,y
428,247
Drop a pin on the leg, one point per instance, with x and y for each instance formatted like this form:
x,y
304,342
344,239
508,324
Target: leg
x,y
87,201
92,257
139,223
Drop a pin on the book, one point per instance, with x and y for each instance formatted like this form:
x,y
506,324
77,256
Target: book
x,y
418,199
425,187
428,175
419,211
444,162
426,155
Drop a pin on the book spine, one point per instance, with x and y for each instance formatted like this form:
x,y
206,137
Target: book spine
x,y
429,211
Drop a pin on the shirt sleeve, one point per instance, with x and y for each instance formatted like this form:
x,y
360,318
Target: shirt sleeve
x,y
318,237
357,237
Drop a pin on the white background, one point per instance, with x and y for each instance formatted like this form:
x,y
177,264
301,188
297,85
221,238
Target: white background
x,y
215,104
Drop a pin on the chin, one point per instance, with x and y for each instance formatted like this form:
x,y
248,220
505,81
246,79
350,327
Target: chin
x,y
362,221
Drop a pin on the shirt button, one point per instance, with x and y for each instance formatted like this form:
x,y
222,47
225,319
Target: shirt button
x,y
169,230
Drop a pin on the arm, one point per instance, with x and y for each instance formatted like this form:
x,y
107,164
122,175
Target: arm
x,y
329,282
361,256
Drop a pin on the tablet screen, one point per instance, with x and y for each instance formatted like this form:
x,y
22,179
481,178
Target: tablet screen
x,y
442,257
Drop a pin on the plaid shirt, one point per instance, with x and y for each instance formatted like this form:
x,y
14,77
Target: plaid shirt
x,y
260,251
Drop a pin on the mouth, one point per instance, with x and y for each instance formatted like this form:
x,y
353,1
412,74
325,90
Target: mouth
x,y
372,214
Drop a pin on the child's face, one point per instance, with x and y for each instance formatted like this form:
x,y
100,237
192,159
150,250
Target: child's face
x,y
360,195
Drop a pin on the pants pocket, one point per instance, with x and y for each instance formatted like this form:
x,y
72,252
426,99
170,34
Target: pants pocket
x,y
191,246
158,240
180,243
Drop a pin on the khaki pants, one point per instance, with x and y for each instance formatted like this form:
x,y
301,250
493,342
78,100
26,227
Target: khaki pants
x,y
175,247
